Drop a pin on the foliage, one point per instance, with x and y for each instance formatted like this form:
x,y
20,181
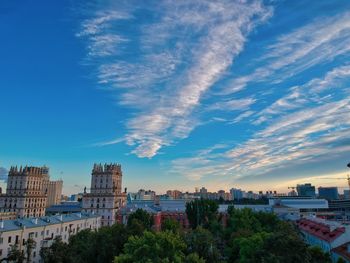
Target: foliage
x,y
139,221
202,242
171,225
15,255
201,212
318,256
153,247
56,253
30,245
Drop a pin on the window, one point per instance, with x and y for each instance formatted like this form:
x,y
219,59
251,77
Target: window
x,y
9,240
47,232
1,240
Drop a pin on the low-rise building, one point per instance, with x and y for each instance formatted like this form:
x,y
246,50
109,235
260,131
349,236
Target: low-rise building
x,y
43,231
325,234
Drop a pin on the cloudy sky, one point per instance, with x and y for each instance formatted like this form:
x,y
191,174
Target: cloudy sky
x,y
251,94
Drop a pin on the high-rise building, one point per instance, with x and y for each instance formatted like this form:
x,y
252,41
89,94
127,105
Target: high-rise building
x,y
26,192
106,196
236,194
346,194
306,190
54,192
329,193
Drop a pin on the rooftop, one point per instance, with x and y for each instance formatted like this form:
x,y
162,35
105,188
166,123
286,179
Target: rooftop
x,y
18,224
328,231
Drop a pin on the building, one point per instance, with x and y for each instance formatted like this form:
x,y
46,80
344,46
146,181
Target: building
x,y
26,192
236,194
343,252
346,194
145,195
306,190
54,192
64,208
106,196
325,234
329,193
43,231
174,194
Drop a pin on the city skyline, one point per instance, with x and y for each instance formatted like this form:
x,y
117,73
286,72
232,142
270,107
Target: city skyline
x,y
183,94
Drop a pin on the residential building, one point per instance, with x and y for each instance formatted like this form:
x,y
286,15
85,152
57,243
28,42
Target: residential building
x,y
236,194
43,231
343,252
329,193
54,192
306,190
106,196
26,191
325,234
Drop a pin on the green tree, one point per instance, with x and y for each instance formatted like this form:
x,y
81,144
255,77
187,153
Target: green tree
x,y
202,242
139,221
171,225
201,212
15,255
30,245
341,260
194,258
56,253
153,248
82,247
318,256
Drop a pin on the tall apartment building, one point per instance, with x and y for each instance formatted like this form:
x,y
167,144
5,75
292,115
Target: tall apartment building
x,y
54,192
26,192
106,196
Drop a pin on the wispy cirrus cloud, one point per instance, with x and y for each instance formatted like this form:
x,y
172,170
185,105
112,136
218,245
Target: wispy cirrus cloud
x,y
320,41
305,129
164,72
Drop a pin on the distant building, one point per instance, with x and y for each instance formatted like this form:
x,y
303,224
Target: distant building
x,y
145,195
64,208
236,194
43,231
174,194
54,192
329,193
26,192
306,190
346,194
76,197
106,196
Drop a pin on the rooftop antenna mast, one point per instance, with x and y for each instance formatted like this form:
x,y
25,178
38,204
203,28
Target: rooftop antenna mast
x,y
348,177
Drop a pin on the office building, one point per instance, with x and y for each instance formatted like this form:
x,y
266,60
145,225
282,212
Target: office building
x,y
236,194
306,190
329,193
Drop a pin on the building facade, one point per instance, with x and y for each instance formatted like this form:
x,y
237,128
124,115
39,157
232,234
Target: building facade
x,y
329,193
306,190
26,192
54,192
106,196
43,231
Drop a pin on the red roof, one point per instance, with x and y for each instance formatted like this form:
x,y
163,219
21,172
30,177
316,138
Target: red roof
x,y
320,230
343,251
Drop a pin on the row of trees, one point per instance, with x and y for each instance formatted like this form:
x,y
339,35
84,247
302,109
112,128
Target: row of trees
x,y
248,237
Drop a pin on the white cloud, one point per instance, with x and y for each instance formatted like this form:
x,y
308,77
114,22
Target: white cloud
x,y
317,42
181,56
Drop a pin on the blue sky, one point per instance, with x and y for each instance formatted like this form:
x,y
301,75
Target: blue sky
x,y
251,94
